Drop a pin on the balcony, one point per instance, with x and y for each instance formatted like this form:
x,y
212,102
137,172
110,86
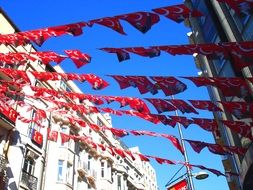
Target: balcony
x,y
29,181
82,168
92,174
91,177
3,163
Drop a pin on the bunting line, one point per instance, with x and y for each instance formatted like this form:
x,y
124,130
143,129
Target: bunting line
x,y
142,21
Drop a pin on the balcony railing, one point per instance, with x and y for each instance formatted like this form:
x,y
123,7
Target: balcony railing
x,y
93,174
82,167
3,163
29,181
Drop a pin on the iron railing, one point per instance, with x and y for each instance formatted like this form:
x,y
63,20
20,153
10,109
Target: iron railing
x,y
29,181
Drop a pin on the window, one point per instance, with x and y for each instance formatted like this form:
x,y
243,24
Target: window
x,y
29,164
102,169
69,174
60,170
63,130
109,171
89,162
119,182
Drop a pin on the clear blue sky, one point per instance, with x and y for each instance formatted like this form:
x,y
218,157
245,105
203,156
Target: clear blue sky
x,y
30,14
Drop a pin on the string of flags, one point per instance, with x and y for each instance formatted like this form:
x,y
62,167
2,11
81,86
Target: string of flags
x,y
240,52
239,6
239,127
235,86
20,58
241,110
142,21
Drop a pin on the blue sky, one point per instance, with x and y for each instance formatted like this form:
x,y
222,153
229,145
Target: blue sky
x,y
29,14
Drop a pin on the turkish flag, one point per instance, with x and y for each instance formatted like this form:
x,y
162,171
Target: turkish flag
x,y
78,57
165,120
240,110
239,127
177,12
181,185
64,138
142,21
169,85
52,135
197,146
121,54
182,120
37,137
143,84
204,105
183,106
161,105
110,22
207,124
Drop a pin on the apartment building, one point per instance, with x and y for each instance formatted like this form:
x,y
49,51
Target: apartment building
x,y
30,160
221,23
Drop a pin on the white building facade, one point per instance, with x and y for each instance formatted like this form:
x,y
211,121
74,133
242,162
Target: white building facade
x,y
52,164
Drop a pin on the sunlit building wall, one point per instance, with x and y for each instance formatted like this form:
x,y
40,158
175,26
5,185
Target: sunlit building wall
x,y
220,23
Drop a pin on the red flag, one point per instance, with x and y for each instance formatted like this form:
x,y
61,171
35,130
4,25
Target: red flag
x,y
145,52
52,135
143,158
120,152
64,138
239,6
205,105
161,105
118,132
183,106
138,104
207,124
170,85
197,146
9,112
182,120
111,111
142,21
217,149
130,154
165,120
216,172
102,147
239,127
74,29
49,56
121,54
181,185
37,137
177,12
96,82
148,117
240,110
174,141
200,81
143,84
122,81
78,57
111,22
232,86
236,150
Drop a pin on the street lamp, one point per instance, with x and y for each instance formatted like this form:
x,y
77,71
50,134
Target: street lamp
x,y
199,176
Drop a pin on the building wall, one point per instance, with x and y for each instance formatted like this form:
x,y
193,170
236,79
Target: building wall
x,y
73,165
221,24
